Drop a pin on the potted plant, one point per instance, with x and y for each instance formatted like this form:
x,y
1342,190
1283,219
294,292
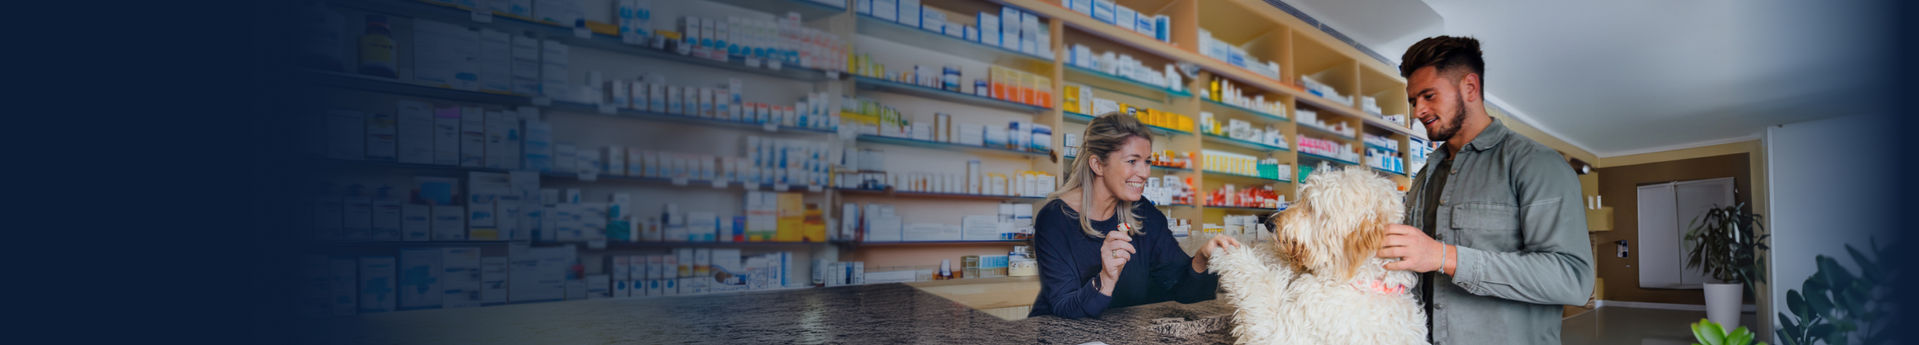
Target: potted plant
x,y
1709,333
1726,246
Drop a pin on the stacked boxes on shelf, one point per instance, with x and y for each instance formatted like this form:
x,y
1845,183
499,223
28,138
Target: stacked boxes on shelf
x,y
1222,90
1328,148
1001,83
1169,190
1170,159
1242,130
1230,195
728,101
1239,164
1088,104
1010,28
877,222
1322,90
869,117
1125,66
1385,160
1235,55
1310,118
1159,27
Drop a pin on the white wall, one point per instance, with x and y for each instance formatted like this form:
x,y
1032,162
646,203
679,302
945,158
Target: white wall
x,y
1829,180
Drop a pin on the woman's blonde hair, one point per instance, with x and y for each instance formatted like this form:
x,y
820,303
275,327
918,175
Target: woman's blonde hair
x,y
1103,136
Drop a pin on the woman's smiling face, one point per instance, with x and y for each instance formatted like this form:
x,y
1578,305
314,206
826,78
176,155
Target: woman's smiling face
x,y
1124,171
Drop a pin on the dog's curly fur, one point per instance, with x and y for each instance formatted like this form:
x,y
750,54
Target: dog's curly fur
x,y
1319,282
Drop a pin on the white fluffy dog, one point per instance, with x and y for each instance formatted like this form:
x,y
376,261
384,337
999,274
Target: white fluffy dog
x,y
1319,283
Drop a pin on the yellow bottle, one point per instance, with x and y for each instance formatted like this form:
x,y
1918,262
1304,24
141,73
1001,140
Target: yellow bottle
x,y
376,49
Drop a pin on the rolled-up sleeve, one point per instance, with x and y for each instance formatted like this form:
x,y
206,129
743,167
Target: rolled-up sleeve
x,y
1554,265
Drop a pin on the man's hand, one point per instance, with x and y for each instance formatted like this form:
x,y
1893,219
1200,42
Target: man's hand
x,y
1113,254
1416,251
1206,252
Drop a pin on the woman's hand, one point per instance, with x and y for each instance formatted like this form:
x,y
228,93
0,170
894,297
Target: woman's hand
x,y
1206,252
1114,252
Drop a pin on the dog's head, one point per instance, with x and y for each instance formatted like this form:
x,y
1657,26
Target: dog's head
x,y
1338,222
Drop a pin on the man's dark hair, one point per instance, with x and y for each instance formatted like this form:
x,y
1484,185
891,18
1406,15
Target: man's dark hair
x,y
1445,54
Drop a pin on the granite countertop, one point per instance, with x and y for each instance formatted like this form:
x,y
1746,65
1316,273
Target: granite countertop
x,y
880,313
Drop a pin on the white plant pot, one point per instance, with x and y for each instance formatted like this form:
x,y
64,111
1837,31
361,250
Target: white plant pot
x,y
1723,303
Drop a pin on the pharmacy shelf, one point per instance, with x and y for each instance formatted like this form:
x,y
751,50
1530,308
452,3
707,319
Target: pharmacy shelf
x,y
686,182
614,245
1170,169
1084,118
1244,177
407,88
883,85
584,108
1243,209
1219,105
944,146
393,166
1387,171
460,15
808,9
1173,205
1241,143
957,46
1382,148
1327,159
926,195
1327,132
1394,127
935,243
1123,85
443,243
460,171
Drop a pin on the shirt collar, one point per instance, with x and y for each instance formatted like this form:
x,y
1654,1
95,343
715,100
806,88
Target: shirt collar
x,y
1489,138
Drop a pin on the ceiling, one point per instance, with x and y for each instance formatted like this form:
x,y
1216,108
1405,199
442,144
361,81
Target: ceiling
x,y
1634,76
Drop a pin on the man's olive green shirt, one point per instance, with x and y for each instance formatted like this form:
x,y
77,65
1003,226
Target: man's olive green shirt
x,y
1514,209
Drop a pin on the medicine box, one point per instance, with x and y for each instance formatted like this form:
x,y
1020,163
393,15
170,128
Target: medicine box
x,y
446,135
419,278
461,276
376,284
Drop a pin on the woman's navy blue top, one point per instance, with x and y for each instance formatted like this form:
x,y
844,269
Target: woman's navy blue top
x,y
1069,265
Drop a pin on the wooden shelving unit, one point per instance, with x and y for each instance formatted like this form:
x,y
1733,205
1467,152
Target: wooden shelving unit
x,y
1265,32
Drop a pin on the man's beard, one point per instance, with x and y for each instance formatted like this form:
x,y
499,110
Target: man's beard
x,y
1459,120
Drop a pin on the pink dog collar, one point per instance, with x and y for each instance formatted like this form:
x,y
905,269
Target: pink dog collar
x,y
1379,286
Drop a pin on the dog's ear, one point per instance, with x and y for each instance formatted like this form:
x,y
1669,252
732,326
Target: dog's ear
x,y
1287,227
1361,245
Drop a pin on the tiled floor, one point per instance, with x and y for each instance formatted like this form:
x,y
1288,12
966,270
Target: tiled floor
x,y
1618,325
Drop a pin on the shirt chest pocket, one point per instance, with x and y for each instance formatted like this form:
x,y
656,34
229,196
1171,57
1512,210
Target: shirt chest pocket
x,y
1487,225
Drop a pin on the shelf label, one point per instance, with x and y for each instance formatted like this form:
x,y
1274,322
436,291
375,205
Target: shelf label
x,y
719,184
770,127
779,187
814,188
833,75
481,15
589,177
580,30
607,109
596,244
542,101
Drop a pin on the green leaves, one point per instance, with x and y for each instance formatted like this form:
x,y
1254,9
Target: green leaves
x,y
1725,245
1834,303
1709,333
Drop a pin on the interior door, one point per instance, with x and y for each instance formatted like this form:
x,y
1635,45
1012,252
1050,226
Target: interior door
x,y
1666,212
1658,239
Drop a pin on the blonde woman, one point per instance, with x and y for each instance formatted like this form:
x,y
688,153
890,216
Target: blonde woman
x,y
1099,245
